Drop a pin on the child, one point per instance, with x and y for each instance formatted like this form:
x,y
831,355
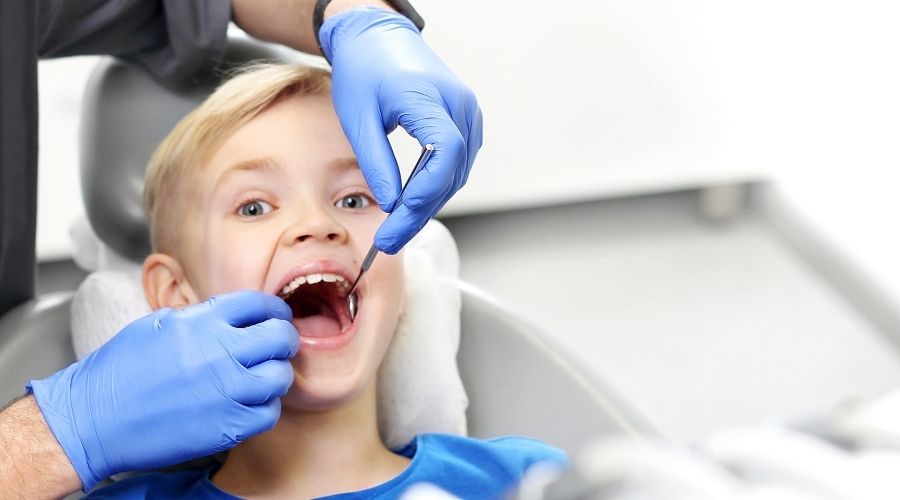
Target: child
x,y
258,188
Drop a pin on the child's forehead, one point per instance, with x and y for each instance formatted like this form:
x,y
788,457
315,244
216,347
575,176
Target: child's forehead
x,y
299,133
269,166
307,111
300,126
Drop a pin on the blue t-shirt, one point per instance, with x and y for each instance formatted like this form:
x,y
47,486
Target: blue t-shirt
x,y
462,466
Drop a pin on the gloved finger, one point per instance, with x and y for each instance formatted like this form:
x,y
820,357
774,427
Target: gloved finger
x,y
263,417
437,208
449,155
366,133
262,382
243,308
402,224
471,125
467,116
271,339
473,144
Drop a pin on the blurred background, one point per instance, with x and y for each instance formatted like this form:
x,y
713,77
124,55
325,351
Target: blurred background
x,y
697,199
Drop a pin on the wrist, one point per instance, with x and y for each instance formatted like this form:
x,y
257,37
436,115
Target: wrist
x,y
57,402
350,25
32,463
327,10
337,6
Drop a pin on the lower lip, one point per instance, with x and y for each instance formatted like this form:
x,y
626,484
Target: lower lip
x,y
333,343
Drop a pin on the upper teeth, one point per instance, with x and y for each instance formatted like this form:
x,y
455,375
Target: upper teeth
x,y
311,279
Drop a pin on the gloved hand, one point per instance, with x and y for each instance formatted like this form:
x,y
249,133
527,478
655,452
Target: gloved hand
x,y
173,386
383,75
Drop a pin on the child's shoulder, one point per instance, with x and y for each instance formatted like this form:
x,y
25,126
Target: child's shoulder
x,y
452,461
511,451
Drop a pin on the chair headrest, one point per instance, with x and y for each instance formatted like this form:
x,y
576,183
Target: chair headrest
x,y
125,115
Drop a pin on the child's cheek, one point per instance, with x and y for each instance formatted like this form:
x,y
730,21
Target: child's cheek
x,y
362,229
240,259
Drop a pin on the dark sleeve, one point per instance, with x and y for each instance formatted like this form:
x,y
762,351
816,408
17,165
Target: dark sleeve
x,y
172,39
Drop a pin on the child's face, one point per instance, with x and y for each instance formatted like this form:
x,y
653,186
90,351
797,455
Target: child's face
x,y
283,198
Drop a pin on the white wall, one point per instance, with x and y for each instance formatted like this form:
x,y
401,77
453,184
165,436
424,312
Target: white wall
x,y
59,182
814,89
588,99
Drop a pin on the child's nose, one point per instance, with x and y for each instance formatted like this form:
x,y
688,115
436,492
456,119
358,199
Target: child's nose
x,y
315,224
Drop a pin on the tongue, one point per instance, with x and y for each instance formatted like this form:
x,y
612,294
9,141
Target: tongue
x,y
317,326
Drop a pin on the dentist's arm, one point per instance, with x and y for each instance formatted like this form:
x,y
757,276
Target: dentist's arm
x,y
170,387
32,464
289,22
384,75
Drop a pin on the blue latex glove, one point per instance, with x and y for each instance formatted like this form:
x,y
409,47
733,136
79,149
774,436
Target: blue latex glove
x,y
384,75
173,386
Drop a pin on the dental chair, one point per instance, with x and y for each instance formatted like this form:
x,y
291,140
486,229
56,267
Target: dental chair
x,y
516,380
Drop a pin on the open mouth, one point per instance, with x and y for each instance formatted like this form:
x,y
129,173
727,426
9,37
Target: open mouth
x,y
319,304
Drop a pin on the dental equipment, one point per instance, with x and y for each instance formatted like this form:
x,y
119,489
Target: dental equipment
x,y
373,250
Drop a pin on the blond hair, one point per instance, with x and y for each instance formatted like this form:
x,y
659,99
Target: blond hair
x,y
196,138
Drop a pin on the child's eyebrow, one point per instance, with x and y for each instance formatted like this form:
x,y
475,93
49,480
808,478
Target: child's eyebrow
x,y
265,164
343,164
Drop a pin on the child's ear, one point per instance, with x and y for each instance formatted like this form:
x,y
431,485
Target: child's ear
x,y
165,284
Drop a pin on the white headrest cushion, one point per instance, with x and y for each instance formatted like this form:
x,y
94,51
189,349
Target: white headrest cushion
x,y
419,387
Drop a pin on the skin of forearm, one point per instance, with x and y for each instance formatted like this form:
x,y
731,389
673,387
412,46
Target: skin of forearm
x,y
289,22
32,463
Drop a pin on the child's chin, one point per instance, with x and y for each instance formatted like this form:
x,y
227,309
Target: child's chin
x,y
320,395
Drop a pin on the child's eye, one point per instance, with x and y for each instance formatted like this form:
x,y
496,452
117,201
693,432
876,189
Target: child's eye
x,y
254,208
353,201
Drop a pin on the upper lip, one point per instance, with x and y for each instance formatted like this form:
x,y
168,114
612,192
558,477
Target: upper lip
x,y
315,267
